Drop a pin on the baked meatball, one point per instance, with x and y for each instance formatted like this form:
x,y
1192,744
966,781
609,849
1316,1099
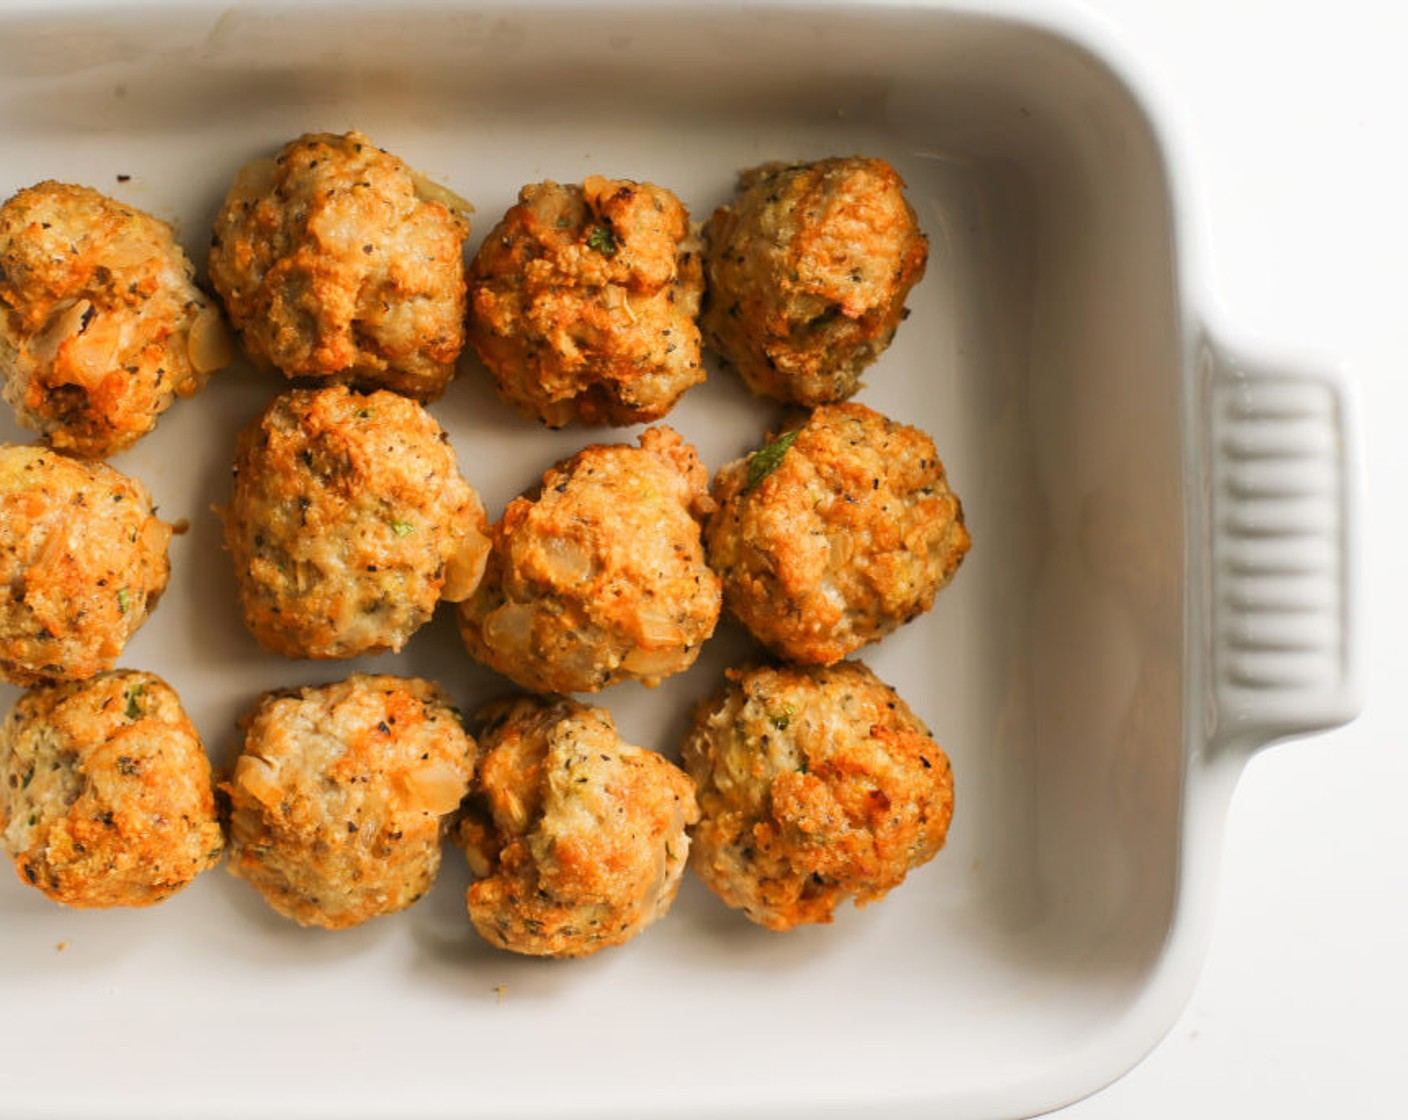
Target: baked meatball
x,y
599,577
336,261
577,837
105,791
101,324
815,785
835,533
348,521
82,564
584,302
808,269
342,796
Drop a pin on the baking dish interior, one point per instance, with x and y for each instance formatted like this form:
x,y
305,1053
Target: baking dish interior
x,y
1045,354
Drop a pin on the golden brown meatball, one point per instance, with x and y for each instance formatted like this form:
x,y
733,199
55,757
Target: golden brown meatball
x,y
835,533
101,324
578,838
105,792
336,261
808,269
342,795
348,521
82,563
600,577
584,299
815,785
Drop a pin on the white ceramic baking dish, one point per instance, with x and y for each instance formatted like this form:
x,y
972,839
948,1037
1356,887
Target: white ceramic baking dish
x,y
1160,581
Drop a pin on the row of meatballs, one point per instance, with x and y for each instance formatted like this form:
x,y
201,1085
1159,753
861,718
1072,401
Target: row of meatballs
x,y
337,263
348,521
801,788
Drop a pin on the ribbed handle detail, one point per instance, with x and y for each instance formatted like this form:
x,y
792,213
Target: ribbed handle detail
x,y
1280,518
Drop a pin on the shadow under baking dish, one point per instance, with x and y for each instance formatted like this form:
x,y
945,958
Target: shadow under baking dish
x,y
1044,353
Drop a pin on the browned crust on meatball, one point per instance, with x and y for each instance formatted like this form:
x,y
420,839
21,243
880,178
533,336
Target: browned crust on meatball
x,y
600,576
584,299
578,837
336,261
342,795
808,269
835,534
101,323
348,521
105,792
815,785
82,561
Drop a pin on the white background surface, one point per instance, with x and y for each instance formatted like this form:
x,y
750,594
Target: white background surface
x,y
1296,114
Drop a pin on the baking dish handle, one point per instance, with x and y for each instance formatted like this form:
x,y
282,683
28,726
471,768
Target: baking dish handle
x,y
1281,505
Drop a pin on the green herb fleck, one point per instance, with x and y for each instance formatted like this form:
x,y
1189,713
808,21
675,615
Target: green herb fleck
x,y
365,413
134,697
28,777
124,600
402,528
767,459
603,241
128,767
781,719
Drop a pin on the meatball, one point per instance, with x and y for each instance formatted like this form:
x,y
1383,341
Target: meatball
x,y
835,533
82,564
808,269
105,791
348,521
577,837
815,785
342,796
101,324
584,300
336,261
600,577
